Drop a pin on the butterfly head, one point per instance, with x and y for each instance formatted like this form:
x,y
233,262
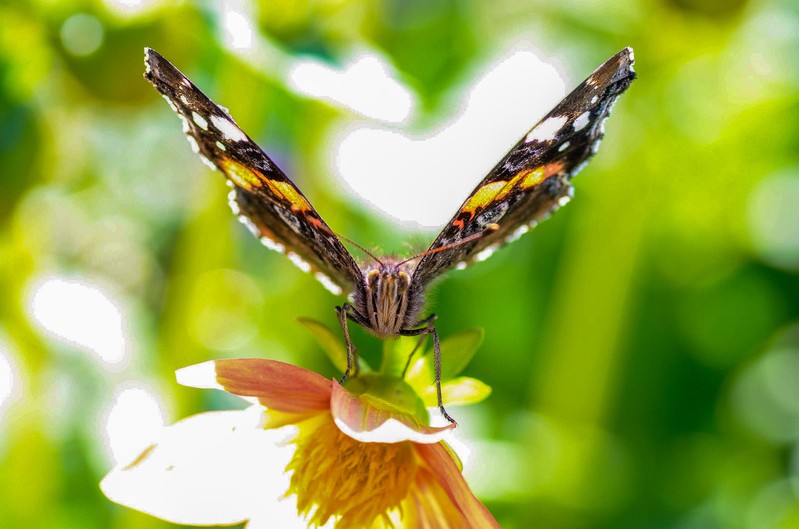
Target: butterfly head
x,y
386,298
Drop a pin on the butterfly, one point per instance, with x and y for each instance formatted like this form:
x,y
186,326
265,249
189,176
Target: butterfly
x,y
387,293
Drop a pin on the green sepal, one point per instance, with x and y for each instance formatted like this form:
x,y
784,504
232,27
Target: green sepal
x,y
396,352
421,374
457,350
391,391
458,391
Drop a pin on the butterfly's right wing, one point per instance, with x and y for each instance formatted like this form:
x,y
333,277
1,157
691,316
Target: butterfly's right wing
x,y
265,199
533,179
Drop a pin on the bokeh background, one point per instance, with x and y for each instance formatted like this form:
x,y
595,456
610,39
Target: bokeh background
x,y
642,345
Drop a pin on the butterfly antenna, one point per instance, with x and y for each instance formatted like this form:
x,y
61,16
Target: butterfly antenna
x,y
361,248
491,228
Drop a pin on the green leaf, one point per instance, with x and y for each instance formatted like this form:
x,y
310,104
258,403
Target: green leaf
x,y
457,350
458,391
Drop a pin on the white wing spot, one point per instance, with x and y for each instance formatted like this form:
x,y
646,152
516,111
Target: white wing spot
x,y
199,120
579,168
220,146
228,129
328,283
184,99
272,245
581,121
564,146
602,126
194,147
547,130
521,230
460,266
562,201
171,103
206,161
482,255
299,262
595,146
594,100
250,225
231,201
185,123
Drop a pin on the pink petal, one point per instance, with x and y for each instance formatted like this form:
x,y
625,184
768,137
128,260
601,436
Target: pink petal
x,y
209,469
451,479
276,385
365,422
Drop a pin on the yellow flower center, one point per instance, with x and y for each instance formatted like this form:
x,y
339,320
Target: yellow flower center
x,y
336,476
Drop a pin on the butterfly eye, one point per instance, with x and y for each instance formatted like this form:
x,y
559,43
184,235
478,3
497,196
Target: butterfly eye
x,y
372,278
403,281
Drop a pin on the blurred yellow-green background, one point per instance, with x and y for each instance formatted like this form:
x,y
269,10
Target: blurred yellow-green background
x,y
642,345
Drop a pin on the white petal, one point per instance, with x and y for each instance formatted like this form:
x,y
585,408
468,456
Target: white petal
x,y
393,431
212,468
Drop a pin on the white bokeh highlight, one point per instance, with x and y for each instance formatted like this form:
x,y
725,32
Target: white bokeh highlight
x,y
82,34
238,30
10,383
773,218
364,82
366,85
132,9
421,179
82,314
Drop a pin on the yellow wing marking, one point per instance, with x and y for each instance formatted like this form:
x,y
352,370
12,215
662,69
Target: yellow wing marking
x,y
250,180
290,193
494,191
483,196
240,175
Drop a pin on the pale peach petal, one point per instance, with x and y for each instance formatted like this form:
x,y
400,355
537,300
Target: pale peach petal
x,y
276,385
212,468
370,424
450,478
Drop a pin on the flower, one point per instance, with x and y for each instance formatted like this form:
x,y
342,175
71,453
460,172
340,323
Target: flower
x,y
309,452
362,457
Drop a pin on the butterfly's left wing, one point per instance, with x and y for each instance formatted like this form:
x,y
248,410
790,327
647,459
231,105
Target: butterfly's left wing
x,y
263,196
532,180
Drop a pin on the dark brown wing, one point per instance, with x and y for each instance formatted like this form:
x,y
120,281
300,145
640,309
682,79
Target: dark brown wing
x,y
263,197
532,180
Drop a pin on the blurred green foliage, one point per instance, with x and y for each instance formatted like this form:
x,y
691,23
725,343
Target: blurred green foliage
x,y
642,345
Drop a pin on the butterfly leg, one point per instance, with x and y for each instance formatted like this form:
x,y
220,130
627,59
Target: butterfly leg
x,y
437,358
345,312
426,322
